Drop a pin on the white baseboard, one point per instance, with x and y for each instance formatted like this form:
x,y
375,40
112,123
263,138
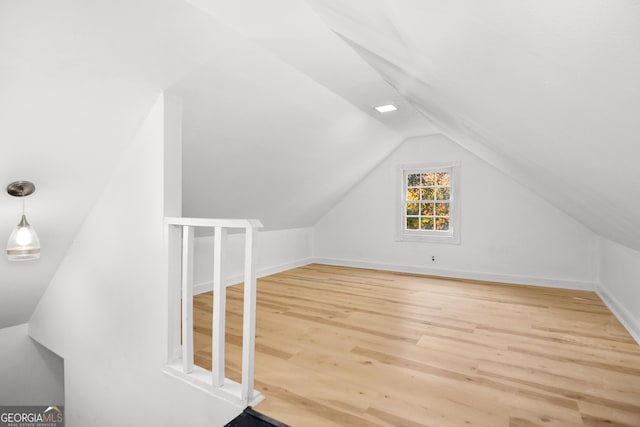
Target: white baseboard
x,y
628,320
461,274
203,287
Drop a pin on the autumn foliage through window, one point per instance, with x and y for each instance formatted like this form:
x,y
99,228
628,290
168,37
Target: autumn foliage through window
x,y
427,201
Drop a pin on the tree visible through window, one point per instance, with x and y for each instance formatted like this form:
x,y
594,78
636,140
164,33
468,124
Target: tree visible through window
x,y
427,201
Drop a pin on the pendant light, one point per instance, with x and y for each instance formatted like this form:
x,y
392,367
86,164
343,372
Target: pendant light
x,y
23,244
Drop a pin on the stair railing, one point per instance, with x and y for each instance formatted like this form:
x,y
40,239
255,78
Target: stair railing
x,y
180,344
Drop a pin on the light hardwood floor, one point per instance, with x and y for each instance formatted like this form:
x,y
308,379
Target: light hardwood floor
x,y
352,347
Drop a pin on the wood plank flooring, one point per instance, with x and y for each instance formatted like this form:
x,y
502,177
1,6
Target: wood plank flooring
x,y
351,347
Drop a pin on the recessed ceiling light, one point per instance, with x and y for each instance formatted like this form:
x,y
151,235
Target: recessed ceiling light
x,y
386,108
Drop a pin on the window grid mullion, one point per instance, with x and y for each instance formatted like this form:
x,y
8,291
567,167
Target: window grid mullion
x,y
421,202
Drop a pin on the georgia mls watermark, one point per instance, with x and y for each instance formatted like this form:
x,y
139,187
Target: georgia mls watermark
x,y
31,416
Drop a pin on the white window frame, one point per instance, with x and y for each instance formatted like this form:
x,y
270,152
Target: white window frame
x,y
451,236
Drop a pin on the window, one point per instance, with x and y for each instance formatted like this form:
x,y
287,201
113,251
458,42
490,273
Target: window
x,y
430,203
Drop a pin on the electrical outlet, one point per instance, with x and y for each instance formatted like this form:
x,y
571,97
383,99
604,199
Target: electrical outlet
x,y
433,259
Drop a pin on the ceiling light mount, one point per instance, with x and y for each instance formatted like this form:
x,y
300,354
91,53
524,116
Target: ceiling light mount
x,y
21,188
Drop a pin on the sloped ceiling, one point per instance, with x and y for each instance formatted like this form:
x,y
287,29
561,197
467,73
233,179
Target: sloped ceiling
x,y
76,80
271,144
547,91
282,125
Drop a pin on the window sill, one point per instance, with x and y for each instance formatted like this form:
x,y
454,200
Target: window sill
x,y
452,239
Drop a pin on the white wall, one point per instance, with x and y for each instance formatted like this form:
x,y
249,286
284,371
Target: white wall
x,y
276,251
508,233
620,284
105,309
29,373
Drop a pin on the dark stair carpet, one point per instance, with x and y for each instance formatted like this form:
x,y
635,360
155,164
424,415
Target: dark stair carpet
x,y
251,418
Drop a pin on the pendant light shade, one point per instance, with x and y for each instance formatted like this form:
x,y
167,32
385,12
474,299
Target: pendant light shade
x,y
23,244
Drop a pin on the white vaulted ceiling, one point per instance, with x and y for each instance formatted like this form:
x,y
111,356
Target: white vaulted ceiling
x,y
269,141
547,91
282,124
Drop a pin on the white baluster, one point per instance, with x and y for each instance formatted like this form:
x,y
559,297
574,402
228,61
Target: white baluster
x,y
219,308
249,317
174,292
187,299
